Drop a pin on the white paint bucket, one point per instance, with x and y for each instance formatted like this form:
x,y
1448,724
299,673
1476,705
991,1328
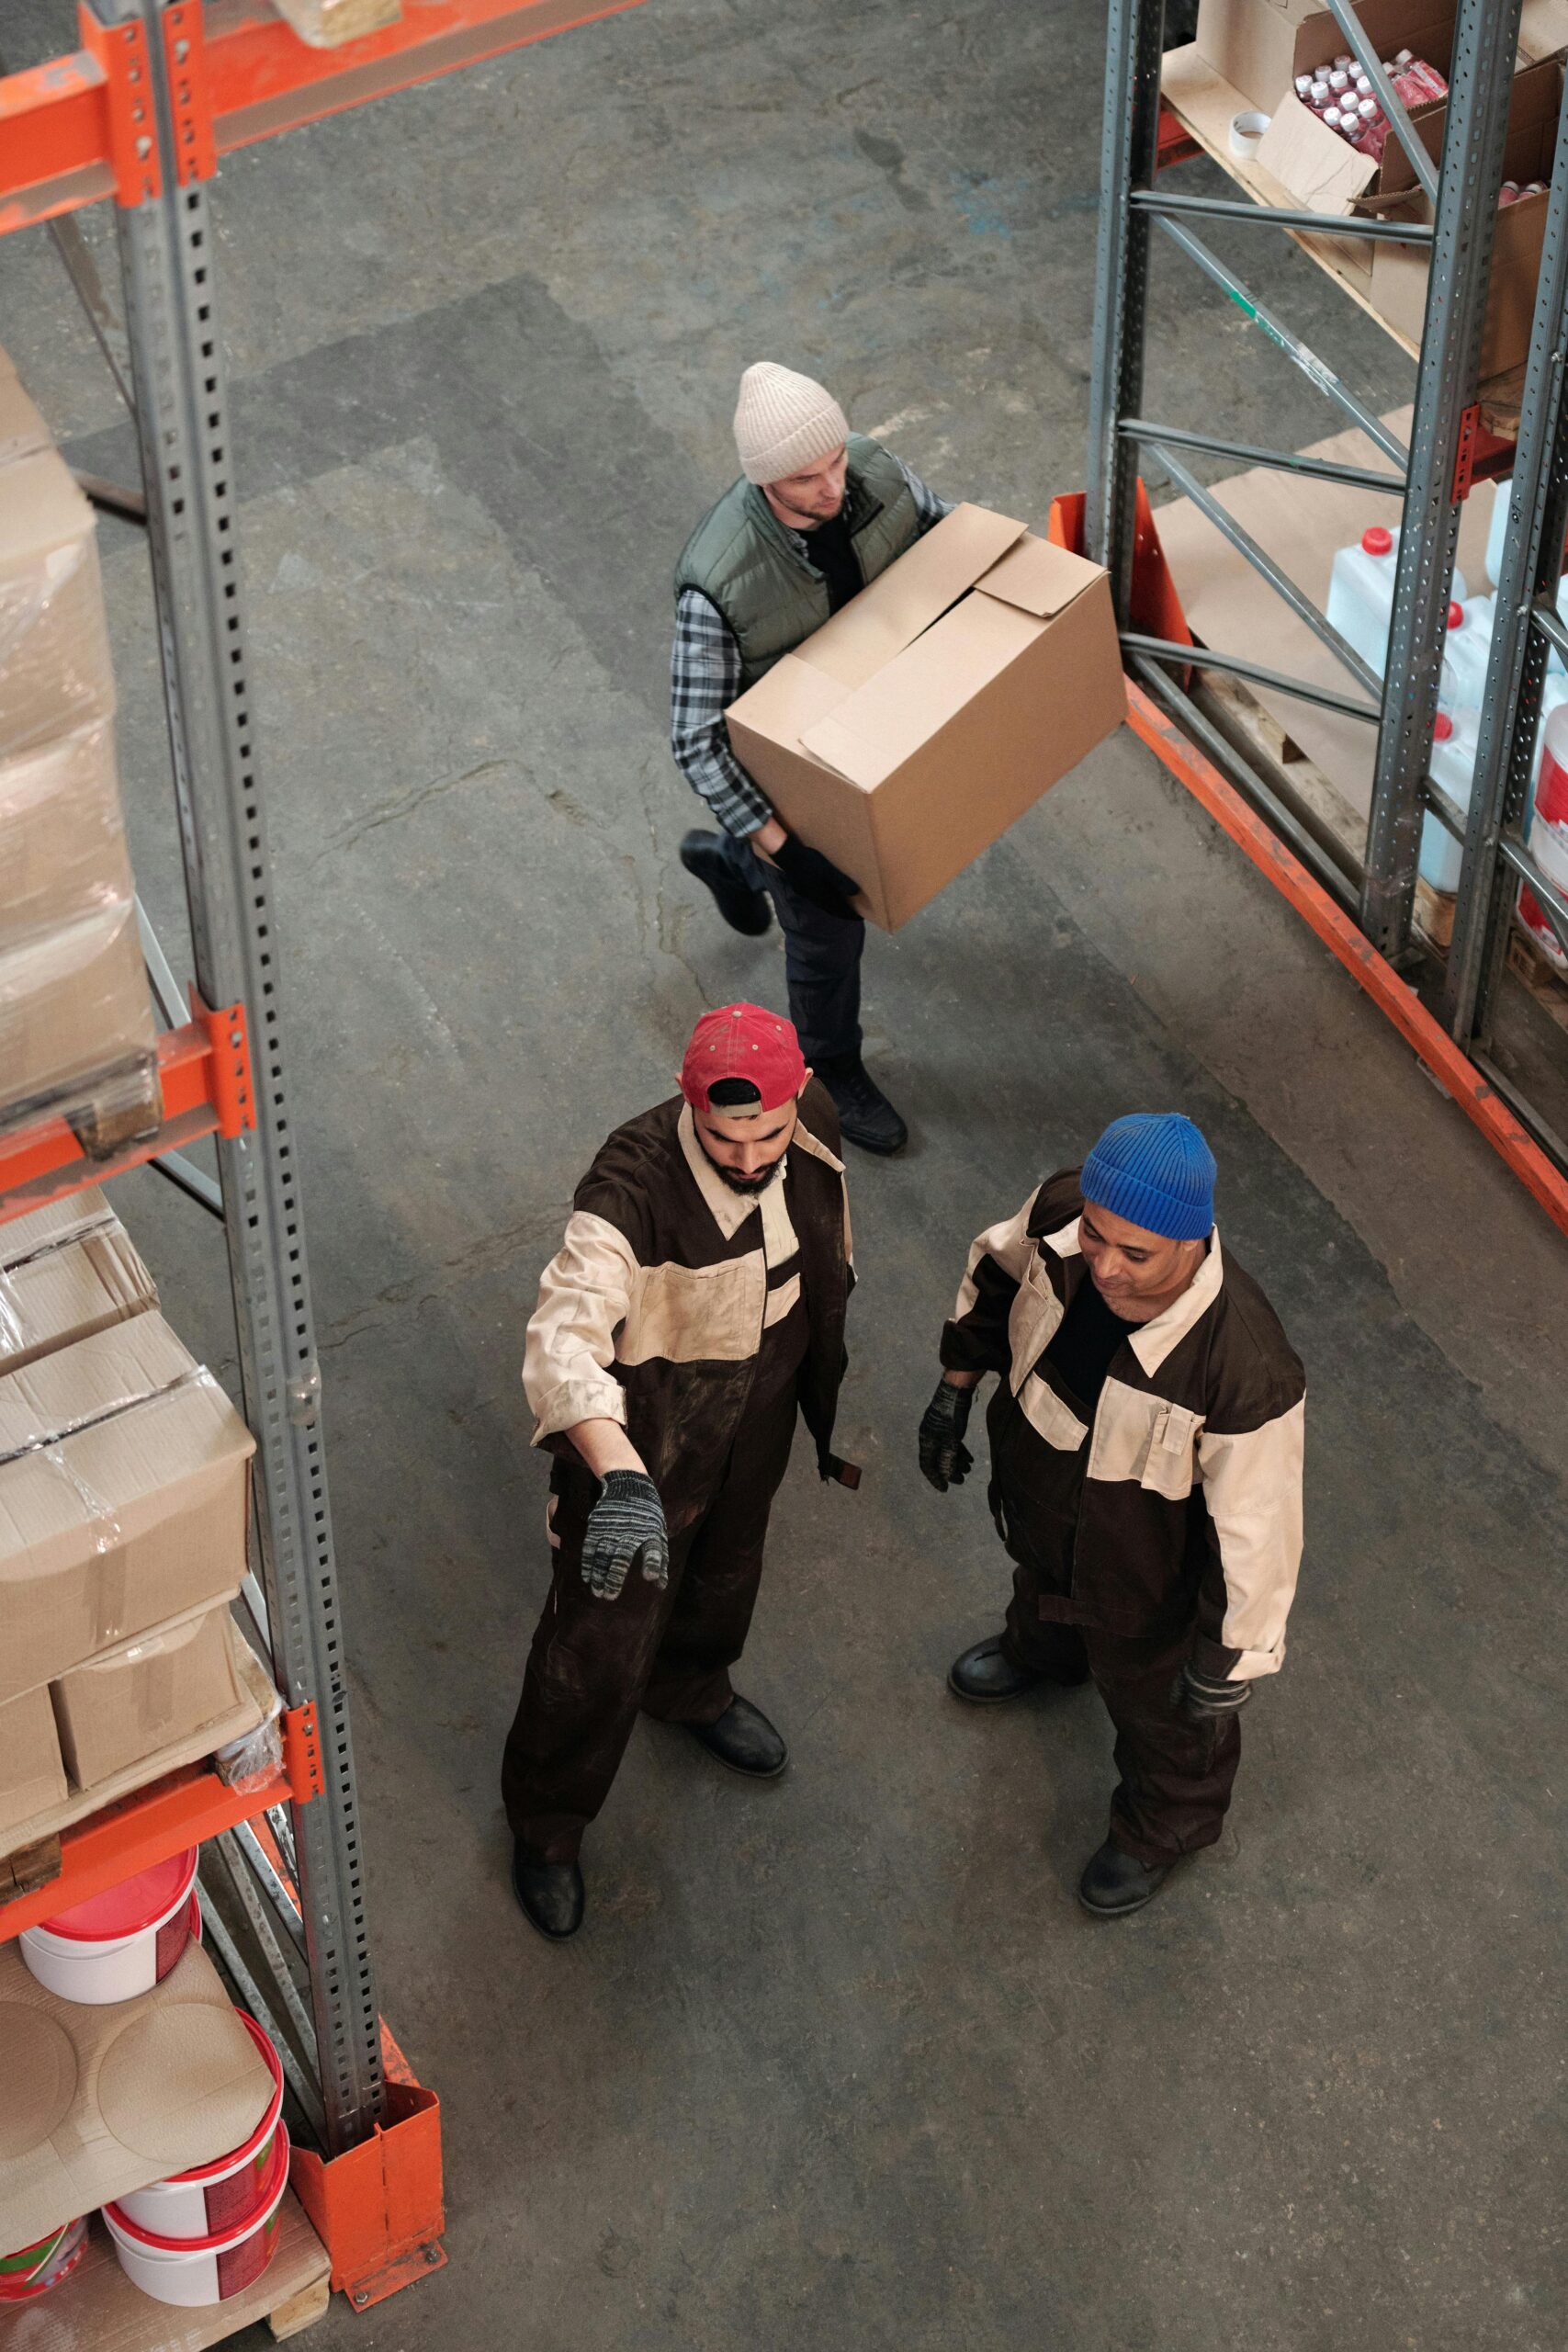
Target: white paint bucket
x,y
214,2197
119,1944
211,2269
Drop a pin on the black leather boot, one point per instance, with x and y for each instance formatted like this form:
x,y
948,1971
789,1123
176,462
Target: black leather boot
x,y
985,1676
550,1895
866,1115
1115,1883
745,1740
744,910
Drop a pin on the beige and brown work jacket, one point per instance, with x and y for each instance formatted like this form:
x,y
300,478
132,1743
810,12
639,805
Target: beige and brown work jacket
x,y
1181,1502
660,1302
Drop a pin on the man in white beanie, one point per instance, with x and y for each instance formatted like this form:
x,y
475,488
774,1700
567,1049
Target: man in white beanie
x,y
817,513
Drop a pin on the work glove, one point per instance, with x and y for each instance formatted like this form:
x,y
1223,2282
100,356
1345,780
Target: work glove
x,y
624,1524
1205,1698
816,878
945,1460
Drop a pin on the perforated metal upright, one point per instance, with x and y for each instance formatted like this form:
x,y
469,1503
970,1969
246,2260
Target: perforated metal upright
x,y
1430,480
152,50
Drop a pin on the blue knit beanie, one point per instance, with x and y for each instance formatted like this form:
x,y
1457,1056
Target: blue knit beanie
x,y
1154,1168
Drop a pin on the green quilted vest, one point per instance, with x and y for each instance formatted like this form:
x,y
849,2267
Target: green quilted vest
x,y
740,558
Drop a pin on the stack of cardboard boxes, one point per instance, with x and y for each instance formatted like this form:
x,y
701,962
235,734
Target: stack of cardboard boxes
x,y
124,1497
75,1016
1256,48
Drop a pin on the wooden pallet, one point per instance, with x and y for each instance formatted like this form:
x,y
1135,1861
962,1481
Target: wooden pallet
x,y
99,2309
1540,976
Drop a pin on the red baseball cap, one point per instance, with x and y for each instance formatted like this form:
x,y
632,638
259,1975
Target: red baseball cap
x,y
746,1042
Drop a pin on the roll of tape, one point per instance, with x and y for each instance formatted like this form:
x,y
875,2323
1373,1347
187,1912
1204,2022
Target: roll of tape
x,y
1246,131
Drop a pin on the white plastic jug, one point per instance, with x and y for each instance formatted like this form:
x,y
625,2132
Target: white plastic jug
x,y
1453,768
1360,593
1499,531
1468,648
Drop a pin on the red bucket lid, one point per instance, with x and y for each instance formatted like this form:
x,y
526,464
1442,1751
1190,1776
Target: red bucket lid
x,y
276,2182
126,1909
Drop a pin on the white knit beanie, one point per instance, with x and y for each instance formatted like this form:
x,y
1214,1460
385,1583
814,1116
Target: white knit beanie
x,y
784,421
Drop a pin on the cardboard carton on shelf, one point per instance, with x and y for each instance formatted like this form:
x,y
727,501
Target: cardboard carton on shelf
x,y
924,719
1259,46
1322,171
101,2100
130,1703
32,1777
64,1277
124,1491
238,1741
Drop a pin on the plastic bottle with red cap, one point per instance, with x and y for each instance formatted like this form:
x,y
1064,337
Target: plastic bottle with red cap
x,y
1360,593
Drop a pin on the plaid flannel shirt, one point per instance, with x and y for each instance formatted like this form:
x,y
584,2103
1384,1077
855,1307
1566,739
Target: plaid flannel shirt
x,y
705,679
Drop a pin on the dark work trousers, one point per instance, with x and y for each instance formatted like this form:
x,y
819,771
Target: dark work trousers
x,y
1175,1776
822,955
595,1663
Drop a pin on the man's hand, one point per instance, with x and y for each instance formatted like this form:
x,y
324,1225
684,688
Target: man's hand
x,y
1205,1698
945,1460
624,1524
816,878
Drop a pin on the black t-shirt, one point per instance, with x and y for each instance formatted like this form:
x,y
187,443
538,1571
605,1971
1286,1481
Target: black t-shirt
x,y
832,554
1086,1340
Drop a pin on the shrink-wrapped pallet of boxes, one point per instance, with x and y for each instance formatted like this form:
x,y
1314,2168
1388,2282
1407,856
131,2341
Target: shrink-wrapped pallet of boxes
x,y
76,1035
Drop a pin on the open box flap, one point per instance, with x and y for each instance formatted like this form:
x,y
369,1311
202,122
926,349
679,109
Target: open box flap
x,y
1039,578
912,698
902,602
1324,172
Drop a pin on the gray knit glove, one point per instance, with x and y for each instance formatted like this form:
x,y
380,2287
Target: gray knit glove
x,y
1203,1698
625,1523
945,1460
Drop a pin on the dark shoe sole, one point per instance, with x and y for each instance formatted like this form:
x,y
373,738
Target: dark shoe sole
x,y
878,1149
1124,1910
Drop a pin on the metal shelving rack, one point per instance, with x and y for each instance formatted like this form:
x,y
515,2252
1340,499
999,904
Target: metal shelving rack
x,y
141,115
1366,916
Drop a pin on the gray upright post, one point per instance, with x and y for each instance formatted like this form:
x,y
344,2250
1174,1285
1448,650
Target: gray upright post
x,y
1128,158
1532,564
1486,43
168,259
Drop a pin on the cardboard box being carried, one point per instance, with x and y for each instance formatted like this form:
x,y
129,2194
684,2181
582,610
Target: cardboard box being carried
x,y
922,721
124,1491
66,1271
1324,172
128,1703
32,1777
1259,46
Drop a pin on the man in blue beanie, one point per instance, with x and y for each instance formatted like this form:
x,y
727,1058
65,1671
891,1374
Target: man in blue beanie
x,y
1145,1441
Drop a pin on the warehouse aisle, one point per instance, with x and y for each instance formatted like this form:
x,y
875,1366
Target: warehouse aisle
x,y
841,2064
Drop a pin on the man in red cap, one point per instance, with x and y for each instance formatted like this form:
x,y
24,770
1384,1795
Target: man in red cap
x,y
696,1303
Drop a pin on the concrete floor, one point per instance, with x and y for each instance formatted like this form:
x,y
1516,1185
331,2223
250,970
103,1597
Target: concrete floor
x,y
841,2064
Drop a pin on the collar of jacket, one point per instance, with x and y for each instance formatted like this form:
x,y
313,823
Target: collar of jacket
x,y
729,1209
860,507
1153,1342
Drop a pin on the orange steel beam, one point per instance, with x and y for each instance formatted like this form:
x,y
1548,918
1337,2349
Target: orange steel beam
x,y
1452,1067
174,1812
205,1072
57,150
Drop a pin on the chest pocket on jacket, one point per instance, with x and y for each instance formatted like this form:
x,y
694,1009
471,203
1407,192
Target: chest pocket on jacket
x,y
696,1314
1141,1437
1045,1413
1035,1313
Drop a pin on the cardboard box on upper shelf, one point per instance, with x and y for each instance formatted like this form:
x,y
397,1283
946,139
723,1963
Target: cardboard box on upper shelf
x,y
32,1776
925,717
1323,171
1259,46
66,1271
124,1494
131,1701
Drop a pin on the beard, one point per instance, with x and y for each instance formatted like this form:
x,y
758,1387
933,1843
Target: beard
x,y
750,1185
